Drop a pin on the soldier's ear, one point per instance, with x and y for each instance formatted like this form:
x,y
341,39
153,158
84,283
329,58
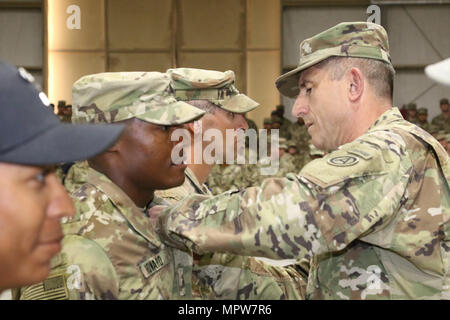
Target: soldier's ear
x,y
355,84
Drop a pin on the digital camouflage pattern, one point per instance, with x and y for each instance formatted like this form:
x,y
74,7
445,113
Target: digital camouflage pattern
x,y
214,180
236,277
441,122
347,39
373,217
190,186
116,96
214,86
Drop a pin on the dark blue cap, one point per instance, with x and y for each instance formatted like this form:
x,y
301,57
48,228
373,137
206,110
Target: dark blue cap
x,y
31,134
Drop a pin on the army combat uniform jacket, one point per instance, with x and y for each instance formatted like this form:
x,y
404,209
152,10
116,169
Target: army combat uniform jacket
x,y
228,276
374,216
110,251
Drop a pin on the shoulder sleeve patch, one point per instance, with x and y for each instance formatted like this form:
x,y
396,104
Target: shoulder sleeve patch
x,y
353,160
53,288
154,264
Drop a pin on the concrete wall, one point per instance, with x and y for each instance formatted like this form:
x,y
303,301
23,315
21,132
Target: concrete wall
x,y
154,35
21,38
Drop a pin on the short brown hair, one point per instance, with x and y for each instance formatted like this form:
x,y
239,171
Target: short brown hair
x,y
379,73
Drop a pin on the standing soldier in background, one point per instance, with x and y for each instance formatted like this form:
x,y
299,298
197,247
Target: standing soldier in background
x,y
442,121
267,124
285,122
298,133
422,115
404,112
412,113
373,215
62,113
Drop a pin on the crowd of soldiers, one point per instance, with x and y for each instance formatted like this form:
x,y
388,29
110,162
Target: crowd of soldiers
x,y
439,126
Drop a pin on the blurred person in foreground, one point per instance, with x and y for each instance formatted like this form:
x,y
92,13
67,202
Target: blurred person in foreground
x,y
32,199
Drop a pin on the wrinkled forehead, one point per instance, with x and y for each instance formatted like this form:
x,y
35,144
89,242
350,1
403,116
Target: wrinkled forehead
x,y
310,74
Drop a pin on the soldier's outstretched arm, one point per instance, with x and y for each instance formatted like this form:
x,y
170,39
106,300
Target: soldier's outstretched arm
x,y
333,201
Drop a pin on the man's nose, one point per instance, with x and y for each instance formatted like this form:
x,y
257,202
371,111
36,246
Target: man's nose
x,y
300,107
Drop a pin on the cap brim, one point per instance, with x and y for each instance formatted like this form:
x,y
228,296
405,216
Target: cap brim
x,y
176,113
65,143
240,103
287,83
439,72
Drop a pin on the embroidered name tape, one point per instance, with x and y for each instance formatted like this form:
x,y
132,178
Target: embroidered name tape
x,y
153,264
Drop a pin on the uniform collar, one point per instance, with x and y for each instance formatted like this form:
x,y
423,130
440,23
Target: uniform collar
x,y
200,188
135,216
388,117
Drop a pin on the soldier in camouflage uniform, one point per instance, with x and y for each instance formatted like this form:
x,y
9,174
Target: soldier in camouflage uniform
x,y
422,115
299,133
214,92
298,158
412,113
286,162
443,120
373,215
110,249
285,124
64,114
267,124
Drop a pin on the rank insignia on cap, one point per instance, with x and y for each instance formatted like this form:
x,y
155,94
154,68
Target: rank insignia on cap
x,y
343,161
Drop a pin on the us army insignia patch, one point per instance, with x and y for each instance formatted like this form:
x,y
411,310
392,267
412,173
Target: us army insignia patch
x,y
343,161
153,264
53,288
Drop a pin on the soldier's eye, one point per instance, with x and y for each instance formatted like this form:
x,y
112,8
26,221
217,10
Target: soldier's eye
x,y
165,128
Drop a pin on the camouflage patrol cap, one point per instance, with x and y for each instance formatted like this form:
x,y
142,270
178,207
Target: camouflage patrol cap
x,y
422,111
441,135
215,86
117,96
411,106
443,101
277,119
282,143
314,151
291,144
347,39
